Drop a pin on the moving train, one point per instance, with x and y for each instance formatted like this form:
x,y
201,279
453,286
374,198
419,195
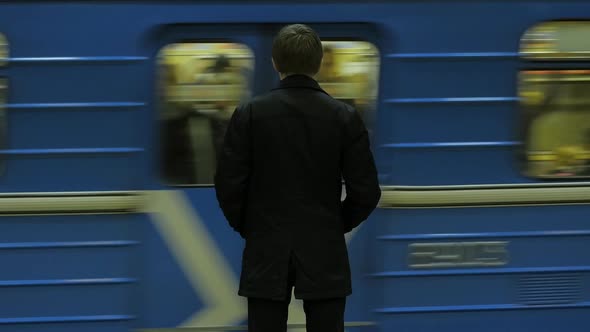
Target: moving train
x,y
111,113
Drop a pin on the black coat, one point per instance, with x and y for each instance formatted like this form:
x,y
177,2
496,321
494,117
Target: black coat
x,y
279,184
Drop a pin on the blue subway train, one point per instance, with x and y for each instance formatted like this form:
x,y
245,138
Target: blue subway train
x,y
111,113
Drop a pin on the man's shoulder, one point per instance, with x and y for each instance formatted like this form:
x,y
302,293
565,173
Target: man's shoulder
x,y
260,102
324,98
263,98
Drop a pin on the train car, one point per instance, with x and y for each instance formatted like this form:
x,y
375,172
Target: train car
x,y
111,113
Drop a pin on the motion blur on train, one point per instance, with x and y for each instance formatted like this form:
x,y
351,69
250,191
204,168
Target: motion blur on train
x,y
112,115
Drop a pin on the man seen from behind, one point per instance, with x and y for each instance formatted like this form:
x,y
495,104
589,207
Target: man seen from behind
x,y
279,184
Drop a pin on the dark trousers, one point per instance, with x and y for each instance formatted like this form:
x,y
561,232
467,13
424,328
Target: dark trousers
x,y
320,315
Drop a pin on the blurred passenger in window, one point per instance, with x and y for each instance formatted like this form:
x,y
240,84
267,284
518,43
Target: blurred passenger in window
x,y
353,88
177,149
329,71
568,161
229,79
332,80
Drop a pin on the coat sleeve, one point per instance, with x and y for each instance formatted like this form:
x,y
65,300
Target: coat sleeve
x,y
233,168
359,173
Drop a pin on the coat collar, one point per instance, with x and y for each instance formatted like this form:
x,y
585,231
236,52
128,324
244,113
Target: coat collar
x,y
299,81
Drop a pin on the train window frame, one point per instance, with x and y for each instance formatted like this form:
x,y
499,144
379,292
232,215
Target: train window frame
x,y
549,87
160,100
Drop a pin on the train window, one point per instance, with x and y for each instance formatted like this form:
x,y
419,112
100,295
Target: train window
x,y
349,73
3,50
557,41
556,102
200,84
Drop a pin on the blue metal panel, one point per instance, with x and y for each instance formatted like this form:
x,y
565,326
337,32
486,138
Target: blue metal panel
x,y
453,78
74,59
489,321
66,263
75,82
66,282
462,236
482,220
453,55
166,296
91,248
480,271
68,126
69,272
105,229
110,323
547,267
74,172
74,244
88,110
66,300
451,165
488,307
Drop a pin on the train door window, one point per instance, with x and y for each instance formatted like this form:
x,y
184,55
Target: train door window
x,y
556,102
199,86
349,73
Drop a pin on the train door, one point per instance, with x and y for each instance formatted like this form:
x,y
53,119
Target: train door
x,y
203,72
